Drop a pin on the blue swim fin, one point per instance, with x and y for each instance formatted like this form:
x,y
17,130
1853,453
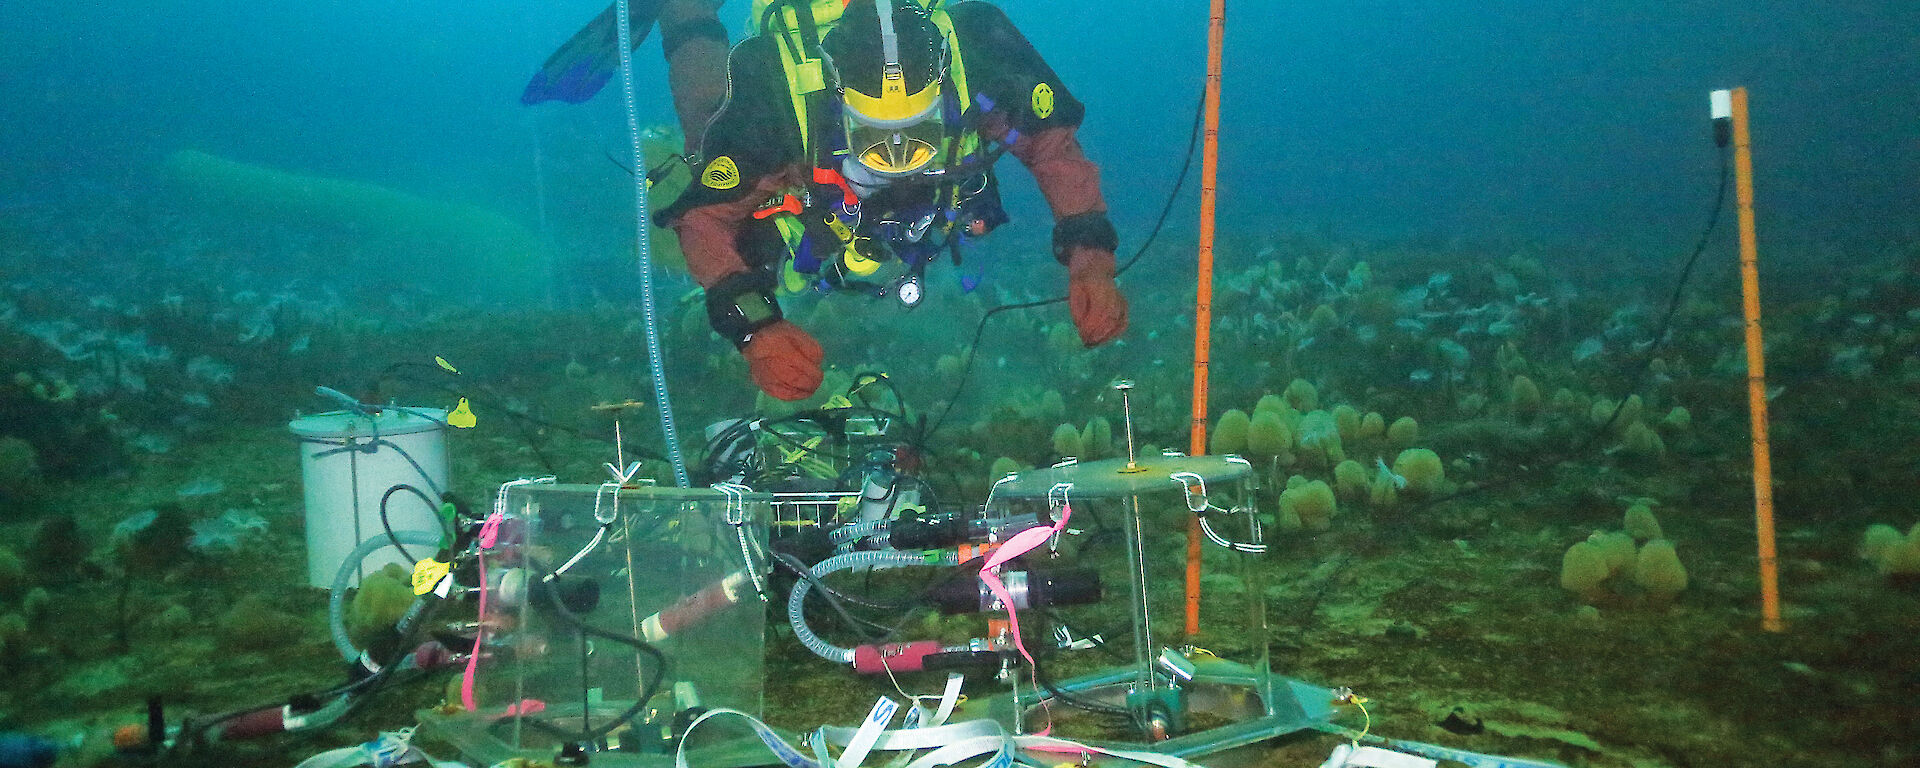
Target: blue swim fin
x,y
588,60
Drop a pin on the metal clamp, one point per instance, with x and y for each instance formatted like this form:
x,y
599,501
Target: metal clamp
x,y
1057,495
490,528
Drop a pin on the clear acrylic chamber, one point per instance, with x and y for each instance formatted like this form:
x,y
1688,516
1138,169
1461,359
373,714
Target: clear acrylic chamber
x,y
576,575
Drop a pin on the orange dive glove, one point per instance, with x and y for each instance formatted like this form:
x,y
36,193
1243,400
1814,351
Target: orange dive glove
x,y
1099,309
784,360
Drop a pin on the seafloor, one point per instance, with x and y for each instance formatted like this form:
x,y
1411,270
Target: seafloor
x,y
150,496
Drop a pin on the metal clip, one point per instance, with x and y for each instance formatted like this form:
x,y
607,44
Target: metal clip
x,y
612,511
1059,504
1196,501
1057,497
736,502
737,517
919,228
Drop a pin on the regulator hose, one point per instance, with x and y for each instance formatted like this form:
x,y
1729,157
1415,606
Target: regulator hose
x,y
796,600
337,596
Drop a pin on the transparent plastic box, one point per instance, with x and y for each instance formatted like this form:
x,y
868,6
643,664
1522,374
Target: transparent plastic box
x,y
680,569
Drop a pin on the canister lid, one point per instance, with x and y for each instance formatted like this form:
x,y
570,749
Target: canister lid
x,y
391,421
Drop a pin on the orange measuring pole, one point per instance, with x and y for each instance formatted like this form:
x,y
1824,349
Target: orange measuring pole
x,y
1203,298
1734,103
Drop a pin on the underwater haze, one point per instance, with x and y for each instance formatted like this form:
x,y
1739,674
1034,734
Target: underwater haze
x,y
1532,120
1476,324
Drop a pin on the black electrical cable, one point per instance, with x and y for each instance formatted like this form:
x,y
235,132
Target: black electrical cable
x,y
833,594
799,444
1069,698
916,437
1640,372
1105,647
387,525
647,691
980,328
521,420
740,428
821,416
932,500
818,415
863,378
657,172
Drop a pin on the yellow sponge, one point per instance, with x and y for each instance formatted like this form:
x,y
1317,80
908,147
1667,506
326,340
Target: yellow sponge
x,y
1582,569
1424,473
1312,502
1658,571
1230,433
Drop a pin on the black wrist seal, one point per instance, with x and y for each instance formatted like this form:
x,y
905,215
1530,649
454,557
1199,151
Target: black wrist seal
x,y
741,304
1088,230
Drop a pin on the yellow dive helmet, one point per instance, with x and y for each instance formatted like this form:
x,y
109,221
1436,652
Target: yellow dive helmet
x,y
892,112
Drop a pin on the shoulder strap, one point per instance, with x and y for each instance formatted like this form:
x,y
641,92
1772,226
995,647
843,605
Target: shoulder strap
x,y
795,24
957,68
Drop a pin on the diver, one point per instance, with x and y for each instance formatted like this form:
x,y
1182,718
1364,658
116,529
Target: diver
x,y
846,134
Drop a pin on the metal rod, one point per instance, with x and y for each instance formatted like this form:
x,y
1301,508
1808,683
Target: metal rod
x,y
1142,620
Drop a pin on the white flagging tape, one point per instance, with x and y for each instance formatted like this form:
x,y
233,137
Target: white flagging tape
x,y
949,744
862,741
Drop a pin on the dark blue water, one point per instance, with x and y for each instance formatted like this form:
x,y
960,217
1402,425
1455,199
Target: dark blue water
x,y
1570,123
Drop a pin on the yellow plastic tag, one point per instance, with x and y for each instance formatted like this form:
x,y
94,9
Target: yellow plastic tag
x,y
791,455
808,76
462,416
428,573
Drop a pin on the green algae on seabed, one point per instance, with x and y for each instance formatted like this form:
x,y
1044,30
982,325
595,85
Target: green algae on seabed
x,y
1419,608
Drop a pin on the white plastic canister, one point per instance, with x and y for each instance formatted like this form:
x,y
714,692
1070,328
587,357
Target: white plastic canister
x,y
348,461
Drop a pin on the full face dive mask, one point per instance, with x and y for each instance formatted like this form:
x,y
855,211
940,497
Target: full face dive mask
x,y
898,131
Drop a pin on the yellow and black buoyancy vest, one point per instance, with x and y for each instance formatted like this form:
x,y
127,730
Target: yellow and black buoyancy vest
x,y
799,26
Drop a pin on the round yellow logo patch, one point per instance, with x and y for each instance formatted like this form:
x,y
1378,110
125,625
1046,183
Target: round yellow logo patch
x,y
1042,101
721,173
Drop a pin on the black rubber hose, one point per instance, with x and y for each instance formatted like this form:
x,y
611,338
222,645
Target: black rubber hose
x,y
646,693
387,526
1166,210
